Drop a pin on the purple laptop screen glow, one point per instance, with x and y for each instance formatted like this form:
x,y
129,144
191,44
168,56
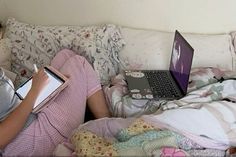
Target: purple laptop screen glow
x,y
181,61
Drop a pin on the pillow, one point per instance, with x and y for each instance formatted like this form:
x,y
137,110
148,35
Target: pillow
x,y
5,53
233,35
147,49
9,101
9,74
39,44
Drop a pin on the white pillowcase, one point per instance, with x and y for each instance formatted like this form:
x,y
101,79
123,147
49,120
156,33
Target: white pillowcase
x,y
233,35
5,58
148,49
5,53
11,75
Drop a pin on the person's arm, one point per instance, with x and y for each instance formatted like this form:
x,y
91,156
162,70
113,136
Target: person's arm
x,y
98,106
13,124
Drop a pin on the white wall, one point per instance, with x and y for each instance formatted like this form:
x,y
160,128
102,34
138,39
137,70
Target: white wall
x,y
3,10
201,16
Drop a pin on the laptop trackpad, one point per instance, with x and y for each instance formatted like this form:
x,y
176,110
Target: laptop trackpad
x,y
138,85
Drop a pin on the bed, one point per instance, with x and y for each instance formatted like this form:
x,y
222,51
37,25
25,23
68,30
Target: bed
x,y
200,124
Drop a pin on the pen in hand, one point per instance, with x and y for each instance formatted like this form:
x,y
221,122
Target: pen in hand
x,y
35,68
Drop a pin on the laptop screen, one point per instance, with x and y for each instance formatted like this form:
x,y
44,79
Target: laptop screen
x,y
181,61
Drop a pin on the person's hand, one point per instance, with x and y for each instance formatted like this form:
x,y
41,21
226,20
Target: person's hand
x,y
39,81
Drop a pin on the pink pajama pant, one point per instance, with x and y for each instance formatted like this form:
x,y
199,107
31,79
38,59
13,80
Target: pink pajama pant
x,y
55,123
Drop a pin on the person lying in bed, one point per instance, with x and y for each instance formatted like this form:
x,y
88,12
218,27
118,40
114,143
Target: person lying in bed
x,y
22,133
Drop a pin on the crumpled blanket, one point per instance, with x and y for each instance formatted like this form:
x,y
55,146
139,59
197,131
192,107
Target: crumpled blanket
x,y
203,123
122,105
207,112
139,139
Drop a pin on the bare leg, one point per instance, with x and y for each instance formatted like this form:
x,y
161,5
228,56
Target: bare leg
x,y
97,105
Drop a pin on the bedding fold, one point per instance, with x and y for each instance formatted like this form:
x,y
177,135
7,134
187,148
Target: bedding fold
x,y
203,123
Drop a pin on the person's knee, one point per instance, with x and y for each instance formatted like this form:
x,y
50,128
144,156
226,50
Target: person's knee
x,y
66,52
83,61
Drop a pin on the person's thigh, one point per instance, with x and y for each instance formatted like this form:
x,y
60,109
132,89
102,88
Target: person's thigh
x,y
69,106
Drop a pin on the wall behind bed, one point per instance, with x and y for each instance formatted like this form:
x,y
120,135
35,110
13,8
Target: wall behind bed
x,y
198,16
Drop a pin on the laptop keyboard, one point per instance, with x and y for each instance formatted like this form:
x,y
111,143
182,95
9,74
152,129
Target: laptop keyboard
x,y
161,85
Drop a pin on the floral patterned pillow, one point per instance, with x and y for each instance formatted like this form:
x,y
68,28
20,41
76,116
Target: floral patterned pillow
x,y
39,44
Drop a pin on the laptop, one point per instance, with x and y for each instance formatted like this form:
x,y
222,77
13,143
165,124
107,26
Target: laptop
x,y
164,84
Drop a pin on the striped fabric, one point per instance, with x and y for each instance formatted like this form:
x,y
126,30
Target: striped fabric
x,y
55,123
